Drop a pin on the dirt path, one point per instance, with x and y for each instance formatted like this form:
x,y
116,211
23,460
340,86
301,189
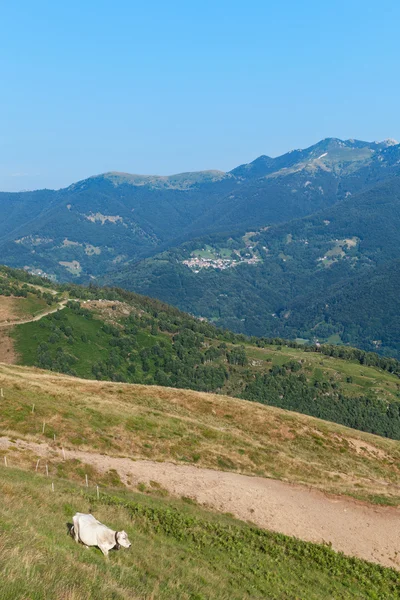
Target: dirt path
x,y
59,306
355,528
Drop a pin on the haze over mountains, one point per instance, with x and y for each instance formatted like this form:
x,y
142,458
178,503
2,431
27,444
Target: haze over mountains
x,y
302,245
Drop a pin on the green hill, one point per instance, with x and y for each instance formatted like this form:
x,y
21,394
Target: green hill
x,y
110,334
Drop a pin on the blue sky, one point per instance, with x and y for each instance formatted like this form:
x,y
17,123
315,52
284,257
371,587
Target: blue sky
x,y
164,87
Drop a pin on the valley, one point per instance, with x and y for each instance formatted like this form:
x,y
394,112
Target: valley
x,y
320,277
271,248
234,254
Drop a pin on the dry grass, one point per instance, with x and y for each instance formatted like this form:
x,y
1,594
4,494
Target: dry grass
x,y
9,308
7,351
213,431
21,310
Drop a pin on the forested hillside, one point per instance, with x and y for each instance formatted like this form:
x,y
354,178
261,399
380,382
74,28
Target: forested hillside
x,y
332,276
109,220
298,246
114,335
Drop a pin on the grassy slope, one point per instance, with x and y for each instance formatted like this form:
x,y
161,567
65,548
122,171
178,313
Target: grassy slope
x,y
30,335
178,551
316,367
31,306
14,306
190,427
21,308
319,367
95,348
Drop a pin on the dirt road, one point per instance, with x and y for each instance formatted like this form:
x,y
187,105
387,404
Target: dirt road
x,y
354,528
59,306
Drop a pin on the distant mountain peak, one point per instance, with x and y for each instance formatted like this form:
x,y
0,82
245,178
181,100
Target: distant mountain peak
x,y
329,154
179,181
389,142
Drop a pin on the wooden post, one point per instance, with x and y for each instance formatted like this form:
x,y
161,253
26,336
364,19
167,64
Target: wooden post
x,y
63,451
54,437
37,464
1,393
33,408
52,487
87,482
5,461
47,470
44,425
97,491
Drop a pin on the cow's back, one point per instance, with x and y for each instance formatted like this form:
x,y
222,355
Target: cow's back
x,y
87,528
86,519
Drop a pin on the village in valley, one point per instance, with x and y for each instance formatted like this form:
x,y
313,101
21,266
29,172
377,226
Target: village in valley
x,y
212,257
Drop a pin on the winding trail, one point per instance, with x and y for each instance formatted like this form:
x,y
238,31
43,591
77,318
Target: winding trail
x,y
355,528
59,306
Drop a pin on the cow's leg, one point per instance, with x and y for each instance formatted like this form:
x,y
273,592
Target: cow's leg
x,y
104,550
75,529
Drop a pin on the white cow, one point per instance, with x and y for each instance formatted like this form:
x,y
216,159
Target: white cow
x,y
91,532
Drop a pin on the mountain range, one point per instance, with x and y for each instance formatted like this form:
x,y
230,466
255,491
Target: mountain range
x,y
303,245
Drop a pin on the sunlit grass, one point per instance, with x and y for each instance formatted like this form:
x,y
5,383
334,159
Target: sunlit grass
x,y
189,427
179,551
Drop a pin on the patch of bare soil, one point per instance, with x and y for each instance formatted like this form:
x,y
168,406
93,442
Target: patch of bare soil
x,y
7,352
364,448
7,308
354,528
109,310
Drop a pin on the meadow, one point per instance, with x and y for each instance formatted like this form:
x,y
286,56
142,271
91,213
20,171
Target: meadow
x,y
187,427
179,552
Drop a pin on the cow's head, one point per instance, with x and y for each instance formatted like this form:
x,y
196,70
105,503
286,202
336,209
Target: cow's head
x,y
122,539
